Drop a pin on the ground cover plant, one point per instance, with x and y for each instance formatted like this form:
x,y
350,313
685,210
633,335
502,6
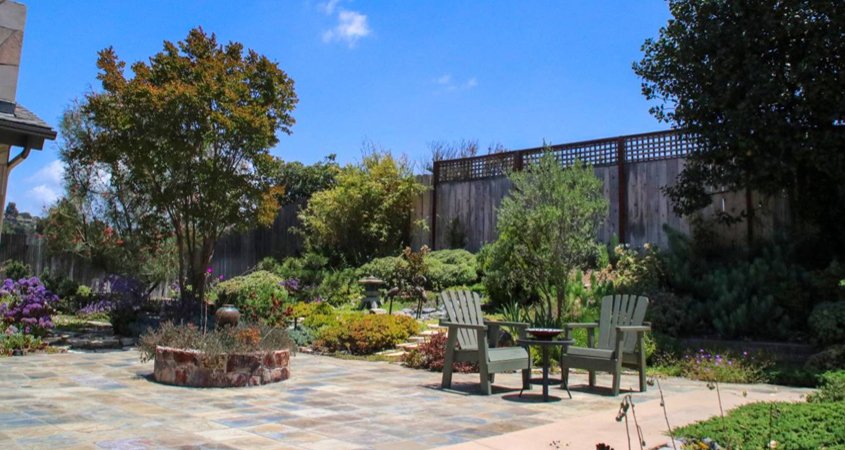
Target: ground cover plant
x,y
431,355
789,425
712,366
244,338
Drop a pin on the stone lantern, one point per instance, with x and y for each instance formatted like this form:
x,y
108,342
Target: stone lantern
x,y
372,297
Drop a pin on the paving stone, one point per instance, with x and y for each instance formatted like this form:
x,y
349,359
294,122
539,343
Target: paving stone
x,y
108,400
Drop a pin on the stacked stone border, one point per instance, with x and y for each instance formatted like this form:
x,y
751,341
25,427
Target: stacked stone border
x,y
194,368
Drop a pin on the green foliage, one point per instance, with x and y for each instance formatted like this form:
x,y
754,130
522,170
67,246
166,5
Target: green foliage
x,y
259,296
412,277
71,298
547,226
782,59
366,214
760,295
15,270
827,322
451,268
363,334
446,269
636,272
188,136
792,425
9,343
300,182
831,388
831,358
669,314
340,287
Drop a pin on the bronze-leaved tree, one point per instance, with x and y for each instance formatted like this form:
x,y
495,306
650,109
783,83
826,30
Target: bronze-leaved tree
x,y
189,134
547,229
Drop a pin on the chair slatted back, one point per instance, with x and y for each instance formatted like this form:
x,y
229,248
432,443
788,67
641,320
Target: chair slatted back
x,y
464,307
620,310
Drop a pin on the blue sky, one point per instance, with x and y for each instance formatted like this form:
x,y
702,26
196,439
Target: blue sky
x,y
400,74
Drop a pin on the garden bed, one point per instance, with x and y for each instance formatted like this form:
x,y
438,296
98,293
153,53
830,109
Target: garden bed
x,y
197,369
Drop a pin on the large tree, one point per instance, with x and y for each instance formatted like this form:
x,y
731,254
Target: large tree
x,y
762,85
189,136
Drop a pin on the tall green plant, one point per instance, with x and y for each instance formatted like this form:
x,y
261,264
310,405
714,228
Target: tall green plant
x,y
366,214
547,227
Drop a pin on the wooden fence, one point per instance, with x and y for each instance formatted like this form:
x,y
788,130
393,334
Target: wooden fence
x,y
467,192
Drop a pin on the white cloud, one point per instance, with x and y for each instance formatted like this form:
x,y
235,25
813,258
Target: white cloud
x,y
329,6
351,27
449,84
43,195
52,174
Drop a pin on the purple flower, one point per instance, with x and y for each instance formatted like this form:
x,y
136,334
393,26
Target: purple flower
x,y
209,271
26,304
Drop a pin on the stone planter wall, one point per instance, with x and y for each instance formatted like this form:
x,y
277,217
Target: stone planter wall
x,y
196,369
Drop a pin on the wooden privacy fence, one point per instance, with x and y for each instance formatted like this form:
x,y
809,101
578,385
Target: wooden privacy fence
x,y
467,192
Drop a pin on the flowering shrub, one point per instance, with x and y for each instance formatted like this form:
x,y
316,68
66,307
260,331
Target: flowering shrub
x,y
363,334
431,355
27,305
724,367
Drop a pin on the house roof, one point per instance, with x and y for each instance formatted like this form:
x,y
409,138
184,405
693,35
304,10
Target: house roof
x,y
23,128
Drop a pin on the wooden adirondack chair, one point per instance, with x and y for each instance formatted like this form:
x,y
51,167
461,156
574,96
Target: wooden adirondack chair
x,y
477,338
620,341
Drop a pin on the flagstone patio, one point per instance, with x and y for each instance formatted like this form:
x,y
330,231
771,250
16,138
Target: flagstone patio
x,y
107,400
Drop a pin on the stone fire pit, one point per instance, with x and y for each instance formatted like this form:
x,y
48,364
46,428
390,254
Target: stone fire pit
x,y
196,369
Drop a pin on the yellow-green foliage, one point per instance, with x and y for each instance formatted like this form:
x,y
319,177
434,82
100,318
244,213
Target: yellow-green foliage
x,y
366,214
362,334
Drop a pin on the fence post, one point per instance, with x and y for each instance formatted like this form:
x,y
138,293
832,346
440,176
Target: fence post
x,y
435,179
623,190
517,161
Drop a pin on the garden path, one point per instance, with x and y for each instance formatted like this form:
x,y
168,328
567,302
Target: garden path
x,y
106,400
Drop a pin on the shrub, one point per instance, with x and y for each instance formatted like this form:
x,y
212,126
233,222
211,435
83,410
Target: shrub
x,y
636,272
831,358
669,314
792,425
827,322
260,296
27,306
363,334
302,336
366,214
66,289
431,355
340,287
243,338
383,268
449,268
722,367
16,270
831,388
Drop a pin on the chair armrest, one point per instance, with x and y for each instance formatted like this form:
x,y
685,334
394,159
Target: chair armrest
x,y
633,328
463,325
506,324
581,325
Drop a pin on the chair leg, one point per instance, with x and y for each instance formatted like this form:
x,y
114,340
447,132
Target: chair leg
x,y
617,377
448,359
592,378
642,369
446,383
492,378
485,384
564,373
526,379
